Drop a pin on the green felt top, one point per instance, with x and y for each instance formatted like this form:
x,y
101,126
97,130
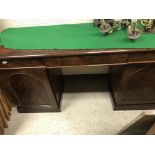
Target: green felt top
x,y
74,36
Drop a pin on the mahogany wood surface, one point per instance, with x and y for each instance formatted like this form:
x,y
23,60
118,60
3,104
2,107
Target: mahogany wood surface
x,y
34,80
142,126
151,131
30,89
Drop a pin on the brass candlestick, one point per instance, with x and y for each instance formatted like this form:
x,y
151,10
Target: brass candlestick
x,y
108,26
133,32
105,27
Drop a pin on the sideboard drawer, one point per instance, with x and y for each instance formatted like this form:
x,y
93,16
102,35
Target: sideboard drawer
x,y
141,57
20,63
86,60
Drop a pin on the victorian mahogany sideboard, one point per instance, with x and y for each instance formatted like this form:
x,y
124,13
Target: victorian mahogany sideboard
x,y
32,79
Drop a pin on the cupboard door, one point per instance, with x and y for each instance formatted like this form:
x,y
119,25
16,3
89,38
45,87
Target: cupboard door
x,y
30,89
134,86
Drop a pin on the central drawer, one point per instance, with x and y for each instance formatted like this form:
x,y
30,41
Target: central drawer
x,y
86,60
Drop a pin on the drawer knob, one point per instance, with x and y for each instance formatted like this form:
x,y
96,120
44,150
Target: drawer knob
x,y
4,62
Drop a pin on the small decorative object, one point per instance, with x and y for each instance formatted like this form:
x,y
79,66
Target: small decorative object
x,y
133,32
148,25
105,26
125,23
97,22
134,27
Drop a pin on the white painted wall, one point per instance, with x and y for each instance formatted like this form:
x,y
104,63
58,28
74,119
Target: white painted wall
x,y
7,23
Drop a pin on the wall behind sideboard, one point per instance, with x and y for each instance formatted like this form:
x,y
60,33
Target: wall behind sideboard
x,y
6,23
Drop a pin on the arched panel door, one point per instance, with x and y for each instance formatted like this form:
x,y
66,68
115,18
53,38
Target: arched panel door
x,y
29,90
141,85
134,86
32,90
